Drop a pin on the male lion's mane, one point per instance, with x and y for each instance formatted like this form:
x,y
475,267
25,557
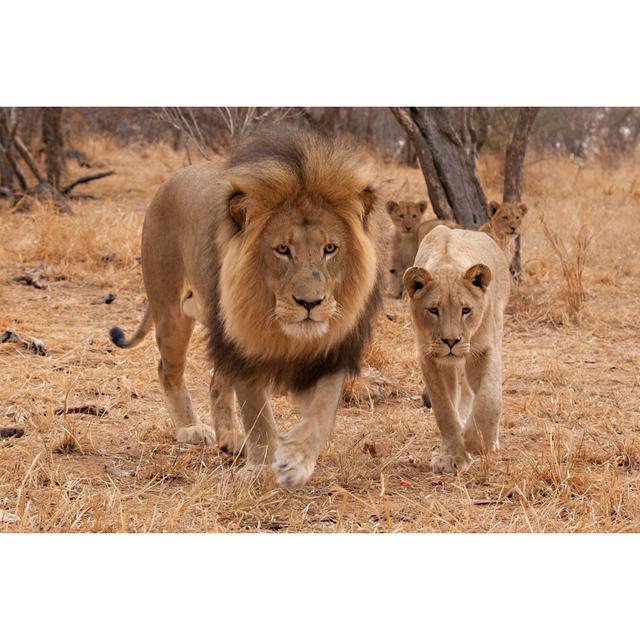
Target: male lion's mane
x,y
272,168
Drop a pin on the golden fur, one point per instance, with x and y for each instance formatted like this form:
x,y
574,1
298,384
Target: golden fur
x,y
503,224
458,290
406,217
504,221
279,254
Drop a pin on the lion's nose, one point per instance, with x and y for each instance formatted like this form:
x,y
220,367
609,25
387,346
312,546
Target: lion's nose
x,y
451,342
308,304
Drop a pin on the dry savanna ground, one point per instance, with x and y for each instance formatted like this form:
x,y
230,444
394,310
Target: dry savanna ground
x,y
570,439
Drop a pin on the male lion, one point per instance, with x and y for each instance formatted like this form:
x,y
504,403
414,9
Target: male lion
x,y
279,254
406,217
458,290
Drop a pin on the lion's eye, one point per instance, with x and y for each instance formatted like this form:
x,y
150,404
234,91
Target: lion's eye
x,y
433,311
466,311
329,249
283,250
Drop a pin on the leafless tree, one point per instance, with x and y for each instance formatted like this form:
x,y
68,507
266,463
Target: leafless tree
x,y
447,162
15,155
513,164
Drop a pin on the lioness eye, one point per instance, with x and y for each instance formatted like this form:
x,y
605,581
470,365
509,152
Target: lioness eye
x,y
330,248
283,250
466,311
434,311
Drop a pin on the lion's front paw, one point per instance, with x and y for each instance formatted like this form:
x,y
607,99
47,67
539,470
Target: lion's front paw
x,y
196,435
231,442
447,461
251,473
293,463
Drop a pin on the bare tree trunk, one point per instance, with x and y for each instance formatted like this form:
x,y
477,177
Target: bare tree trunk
x,y
481,126
514,161
437,195
53,144
448,168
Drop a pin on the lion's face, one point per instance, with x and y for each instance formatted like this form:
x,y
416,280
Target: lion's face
x,y
449,305
303,255
406,215
506,218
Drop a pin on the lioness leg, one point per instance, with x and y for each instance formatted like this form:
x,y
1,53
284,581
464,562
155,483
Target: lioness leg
x,y
257,419
228,434
442,382
485,379
298,449
172,335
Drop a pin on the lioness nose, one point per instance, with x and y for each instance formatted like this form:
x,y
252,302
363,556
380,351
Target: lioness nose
x,y
451,342
308,304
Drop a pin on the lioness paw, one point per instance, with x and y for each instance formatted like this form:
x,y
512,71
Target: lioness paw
x,y
292,463
196,435
447,462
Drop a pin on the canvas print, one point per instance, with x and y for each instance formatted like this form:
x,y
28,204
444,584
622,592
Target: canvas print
x,y
319,319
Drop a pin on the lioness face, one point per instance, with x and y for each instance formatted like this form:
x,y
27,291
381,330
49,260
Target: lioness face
x,y
506,218
449,305
303,255
406,215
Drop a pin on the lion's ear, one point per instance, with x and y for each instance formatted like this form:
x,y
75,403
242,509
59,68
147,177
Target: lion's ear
x,y
523,208
415,281
479,276
237,208
422,205
368,199
493,207
392,207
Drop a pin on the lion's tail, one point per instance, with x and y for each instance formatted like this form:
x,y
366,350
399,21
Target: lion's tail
x,y
117,334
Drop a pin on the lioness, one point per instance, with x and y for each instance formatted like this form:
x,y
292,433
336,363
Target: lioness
x,y
458,290
406,216
279,253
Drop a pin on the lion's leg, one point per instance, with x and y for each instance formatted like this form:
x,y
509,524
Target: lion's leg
x,y
485,379
442,382
465,402
228,434
173,333
258,422
298,449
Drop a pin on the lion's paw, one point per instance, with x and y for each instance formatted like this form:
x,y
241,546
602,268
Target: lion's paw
x,y
231,442
251,473
450,462
196,435
292,464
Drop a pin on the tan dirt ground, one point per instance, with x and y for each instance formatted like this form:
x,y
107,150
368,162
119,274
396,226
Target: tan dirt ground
x,y
570,439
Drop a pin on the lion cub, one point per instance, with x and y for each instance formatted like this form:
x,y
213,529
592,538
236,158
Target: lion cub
x,y
503,224
504,221
406,217
458,290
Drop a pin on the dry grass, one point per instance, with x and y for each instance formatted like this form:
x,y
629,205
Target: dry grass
x,y
572,262
570,442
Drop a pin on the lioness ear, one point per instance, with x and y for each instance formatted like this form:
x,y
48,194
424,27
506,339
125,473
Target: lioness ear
x,y
422,205
237,208
523,208
479,275
415,281
493,207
